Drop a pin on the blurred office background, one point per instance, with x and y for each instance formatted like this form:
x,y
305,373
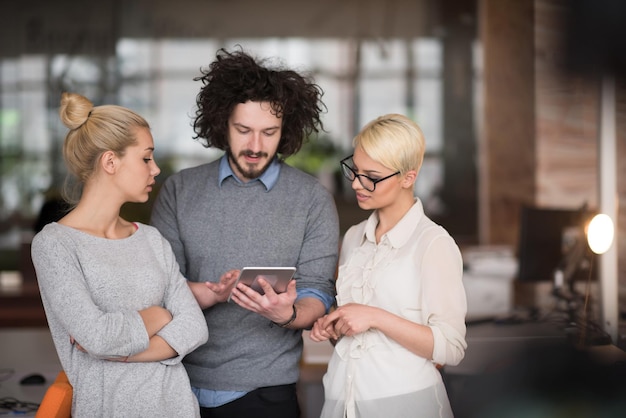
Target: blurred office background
x,y
515,98
511,117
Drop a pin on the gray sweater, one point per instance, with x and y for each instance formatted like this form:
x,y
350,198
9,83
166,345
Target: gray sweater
x,y
92,289
213,229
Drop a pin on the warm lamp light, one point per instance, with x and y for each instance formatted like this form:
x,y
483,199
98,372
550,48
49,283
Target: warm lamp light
x,y
600,233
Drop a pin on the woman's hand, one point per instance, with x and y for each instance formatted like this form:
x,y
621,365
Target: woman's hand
x,y
349,319
320,332
80,348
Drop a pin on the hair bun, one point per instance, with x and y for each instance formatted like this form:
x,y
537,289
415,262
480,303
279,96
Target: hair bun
x,y
75,109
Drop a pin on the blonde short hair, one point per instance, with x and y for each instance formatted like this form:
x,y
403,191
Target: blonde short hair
x,y
393,140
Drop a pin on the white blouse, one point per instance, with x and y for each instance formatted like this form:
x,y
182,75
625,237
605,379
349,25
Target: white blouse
x,y
414,272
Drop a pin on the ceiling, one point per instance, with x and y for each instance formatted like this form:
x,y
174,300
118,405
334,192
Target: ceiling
x,y
72,26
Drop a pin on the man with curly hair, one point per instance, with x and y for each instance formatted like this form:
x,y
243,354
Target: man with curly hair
x,y
249,208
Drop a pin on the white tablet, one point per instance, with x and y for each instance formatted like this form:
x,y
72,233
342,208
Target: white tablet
x,y
278,277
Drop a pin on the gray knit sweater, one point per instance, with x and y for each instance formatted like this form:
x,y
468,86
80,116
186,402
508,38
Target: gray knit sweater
x,y
213,229
92,289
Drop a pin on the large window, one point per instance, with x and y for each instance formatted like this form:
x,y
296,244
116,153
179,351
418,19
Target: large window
x,y
361,80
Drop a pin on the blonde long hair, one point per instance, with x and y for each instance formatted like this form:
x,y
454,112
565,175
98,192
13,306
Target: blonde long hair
x,y
93,131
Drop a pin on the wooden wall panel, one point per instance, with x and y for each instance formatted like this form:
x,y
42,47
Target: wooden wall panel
x,y
509,116
566,118
541,123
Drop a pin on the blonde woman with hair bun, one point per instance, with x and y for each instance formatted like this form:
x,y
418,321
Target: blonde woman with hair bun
x,y
121,314
400,299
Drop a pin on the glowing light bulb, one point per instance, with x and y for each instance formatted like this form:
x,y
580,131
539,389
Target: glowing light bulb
x,y
600,233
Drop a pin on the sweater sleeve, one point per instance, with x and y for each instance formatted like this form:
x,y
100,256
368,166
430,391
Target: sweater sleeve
x,y
68,303
164,218
188,328
318,255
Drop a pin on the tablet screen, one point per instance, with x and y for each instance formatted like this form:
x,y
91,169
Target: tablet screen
x,y
278,277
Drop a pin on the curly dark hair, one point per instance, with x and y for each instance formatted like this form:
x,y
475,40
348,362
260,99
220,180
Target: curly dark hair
x,y
236,77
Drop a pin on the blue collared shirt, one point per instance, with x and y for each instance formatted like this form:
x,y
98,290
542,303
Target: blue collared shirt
x,y
268,178
213,398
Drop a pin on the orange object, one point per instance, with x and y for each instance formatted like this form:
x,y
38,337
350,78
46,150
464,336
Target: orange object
x,y
57,402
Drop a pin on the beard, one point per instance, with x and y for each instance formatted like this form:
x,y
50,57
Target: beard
x,y
249,172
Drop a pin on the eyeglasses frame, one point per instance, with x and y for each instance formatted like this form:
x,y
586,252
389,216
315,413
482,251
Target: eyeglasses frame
x,y
342,163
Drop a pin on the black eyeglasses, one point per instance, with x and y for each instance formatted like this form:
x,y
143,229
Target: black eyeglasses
x,y
367,182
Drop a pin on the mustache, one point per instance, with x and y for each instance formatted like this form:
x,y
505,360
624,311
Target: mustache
x,y
248,153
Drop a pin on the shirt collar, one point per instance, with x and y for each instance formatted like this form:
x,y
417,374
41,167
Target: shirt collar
x,y
402,231
268,178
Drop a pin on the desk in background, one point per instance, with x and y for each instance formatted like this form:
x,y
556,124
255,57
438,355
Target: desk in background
x,y
20,302
533,369
24,351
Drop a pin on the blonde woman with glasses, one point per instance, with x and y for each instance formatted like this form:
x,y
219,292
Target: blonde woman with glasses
x,y
400,299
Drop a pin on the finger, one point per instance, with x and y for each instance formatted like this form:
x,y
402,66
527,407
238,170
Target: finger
x,y
244,297
212,286
246,304
318,334
268,290
313,333
291,288
228,277
218,287
337,327
235,297
238,295
328,332
331,332
329,319
245,291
